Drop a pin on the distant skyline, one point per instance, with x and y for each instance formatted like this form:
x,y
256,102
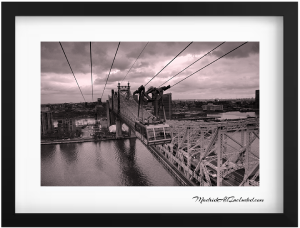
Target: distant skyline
x,y
221,99
234,76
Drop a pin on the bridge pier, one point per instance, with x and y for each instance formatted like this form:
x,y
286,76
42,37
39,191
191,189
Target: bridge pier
x,y
118,128
112,119
131,133
107,113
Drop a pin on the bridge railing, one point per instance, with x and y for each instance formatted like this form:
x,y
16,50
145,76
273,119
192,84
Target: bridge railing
x,y
228,146
128,108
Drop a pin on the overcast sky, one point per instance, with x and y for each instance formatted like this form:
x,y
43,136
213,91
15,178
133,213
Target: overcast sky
x,y
234,76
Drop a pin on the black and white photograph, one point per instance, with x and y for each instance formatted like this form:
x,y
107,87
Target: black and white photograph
x,y
150,113
140,103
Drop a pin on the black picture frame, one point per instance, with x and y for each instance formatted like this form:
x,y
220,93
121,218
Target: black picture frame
x,y
289,12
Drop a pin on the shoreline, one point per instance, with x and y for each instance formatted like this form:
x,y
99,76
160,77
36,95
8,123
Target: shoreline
x,y
83,140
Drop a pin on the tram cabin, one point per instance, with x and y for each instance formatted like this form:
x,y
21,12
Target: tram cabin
x,y
153,134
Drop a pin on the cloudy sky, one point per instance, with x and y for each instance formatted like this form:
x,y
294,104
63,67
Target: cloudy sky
x,y
234,76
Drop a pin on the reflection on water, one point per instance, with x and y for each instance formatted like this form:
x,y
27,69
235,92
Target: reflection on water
x,y
106,163
69,152
48,153
131,173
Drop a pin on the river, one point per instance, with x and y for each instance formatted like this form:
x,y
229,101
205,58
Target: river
x,y
233,115
124,162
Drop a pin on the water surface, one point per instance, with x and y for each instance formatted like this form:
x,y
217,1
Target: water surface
x,y
107,163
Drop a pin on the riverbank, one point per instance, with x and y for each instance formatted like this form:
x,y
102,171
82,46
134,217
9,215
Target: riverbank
x,y
82,140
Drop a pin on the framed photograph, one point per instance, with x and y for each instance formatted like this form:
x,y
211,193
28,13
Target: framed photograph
x,y
150,114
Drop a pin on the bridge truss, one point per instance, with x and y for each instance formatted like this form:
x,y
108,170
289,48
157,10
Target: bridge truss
x,y
216,153
207,154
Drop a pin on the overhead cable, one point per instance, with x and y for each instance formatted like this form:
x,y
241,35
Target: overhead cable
x,y
169,63
71,69
192,63
91,70
209,64
110,69
135,61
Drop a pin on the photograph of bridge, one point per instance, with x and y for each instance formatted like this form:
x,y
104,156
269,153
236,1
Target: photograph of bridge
x,y
150,113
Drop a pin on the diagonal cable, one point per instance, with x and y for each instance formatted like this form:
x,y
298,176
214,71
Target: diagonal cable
x,y
135,61
91,71
169,63
71,69
192,63
110,69
209,64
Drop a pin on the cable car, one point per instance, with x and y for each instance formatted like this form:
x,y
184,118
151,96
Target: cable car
x,y
154,132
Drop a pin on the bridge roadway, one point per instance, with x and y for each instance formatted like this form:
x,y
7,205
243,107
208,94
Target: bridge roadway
x,y
128,114
233,179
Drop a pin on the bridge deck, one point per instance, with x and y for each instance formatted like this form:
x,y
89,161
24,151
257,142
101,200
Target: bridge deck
x,y
236,141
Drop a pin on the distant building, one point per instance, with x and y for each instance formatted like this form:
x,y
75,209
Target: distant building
x,y
66,125
103,123
45,107
46,121
99,101
167,101
99,109
257,99
91,104
212,107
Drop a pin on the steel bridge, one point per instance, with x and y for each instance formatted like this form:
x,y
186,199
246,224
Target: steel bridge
x,y
201,154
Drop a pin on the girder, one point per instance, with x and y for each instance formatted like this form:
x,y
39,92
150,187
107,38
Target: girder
x,y
225,147
254,169
256,134
207,177
211,143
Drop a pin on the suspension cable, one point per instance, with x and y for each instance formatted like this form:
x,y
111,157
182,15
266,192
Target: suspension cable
x,y
110,69
135,61
91,71
192,63
71,70
169,63
209,64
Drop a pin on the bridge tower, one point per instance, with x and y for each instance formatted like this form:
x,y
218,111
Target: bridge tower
x,y
110,116
113,110
124,90
118,120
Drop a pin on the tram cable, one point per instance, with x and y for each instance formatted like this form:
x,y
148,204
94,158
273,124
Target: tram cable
x,y
110,69
192,63
91,71
71,70
135,61
169,62
209,64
